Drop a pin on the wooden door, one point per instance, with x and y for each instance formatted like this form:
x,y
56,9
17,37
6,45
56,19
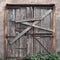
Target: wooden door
x,y
29,29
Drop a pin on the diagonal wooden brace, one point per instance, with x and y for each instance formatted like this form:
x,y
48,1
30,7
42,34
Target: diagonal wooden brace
x,y
46,29
41,45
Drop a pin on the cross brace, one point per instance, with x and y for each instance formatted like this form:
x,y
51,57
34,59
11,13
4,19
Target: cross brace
x,y
28,28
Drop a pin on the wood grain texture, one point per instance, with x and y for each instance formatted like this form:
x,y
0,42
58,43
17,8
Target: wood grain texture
x,y
54,31
25,26
28,28
5,34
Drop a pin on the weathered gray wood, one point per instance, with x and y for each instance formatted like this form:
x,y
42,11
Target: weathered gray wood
x,y
46,21
46,24
41,45
28,28
43,23
37,26
35,19
17,28
11,25
18,13
29,38
37,14
29,12
48,12
30,44
28,20
23,40
11,30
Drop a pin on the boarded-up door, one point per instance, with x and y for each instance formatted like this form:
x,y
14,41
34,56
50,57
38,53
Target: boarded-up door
x,y
29,29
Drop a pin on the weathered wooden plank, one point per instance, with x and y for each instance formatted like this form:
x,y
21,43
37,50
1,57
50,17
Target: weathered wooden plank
x,y
23,44
37,45
18,13
11,29
21,15
37,14
28,28
48,12
29,12
41,33
46,21
41,44
35,19
28,20
30,44
17,28
23,39
11,25
29,38
49,43
5,34
14,15
54,31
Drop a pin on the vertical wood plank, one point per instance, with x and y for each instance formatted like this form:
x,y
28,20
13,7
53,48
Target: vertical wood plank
x,y
23,39
29,12
54,30
37,15
11,24
30,39
17,28
46,22
5,34
33,43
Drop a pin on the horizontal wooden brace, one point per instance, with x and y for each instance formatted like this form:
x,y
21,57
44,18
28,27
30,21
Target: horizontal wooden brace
x,y
29,20
40,35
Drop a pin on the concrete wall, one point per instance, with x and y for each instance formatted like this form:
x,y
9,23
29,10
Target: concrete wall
x,y
4,2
